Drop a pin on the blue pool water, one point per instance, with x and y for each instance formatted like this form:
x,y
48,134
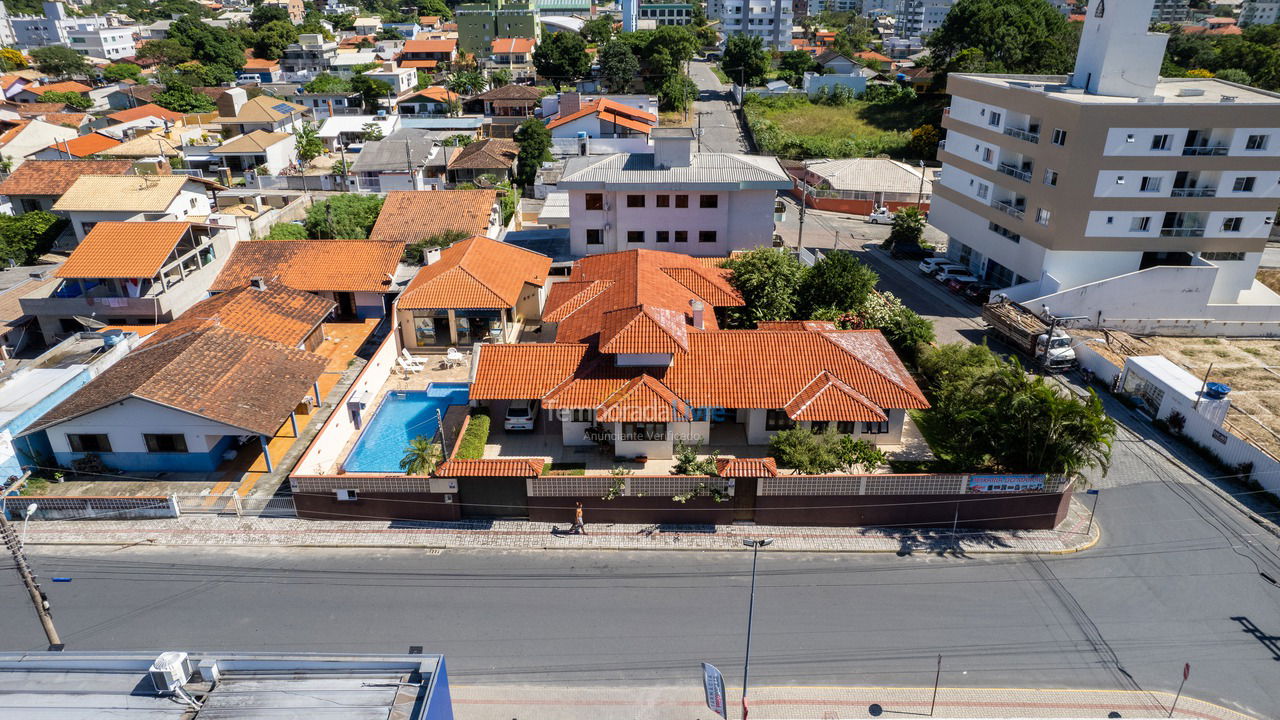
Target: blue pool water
x,y
400,417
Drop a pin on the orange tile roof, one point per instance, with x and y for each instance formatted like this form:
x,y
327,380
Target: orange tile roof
x,y
54,177
604,105
412,215
261,64
354,40
37,109
643,329
86,145
275,312
124,250
13,130
828,398
145,111
508,46
437,93
528,370
71,119
434,45
476,273
429,20
495,467
489,154
570,295
641,399
313,265
419,64
746,467
65,86
625,122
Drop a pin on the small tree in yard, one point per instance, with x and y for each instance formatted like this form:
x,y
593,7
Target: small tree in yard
x,y
413,252
907,229
372,131
924,142
745,59
534,140
421,456
618,65
59,61
858,453
72,99
562,58
308,143
769,280
838,280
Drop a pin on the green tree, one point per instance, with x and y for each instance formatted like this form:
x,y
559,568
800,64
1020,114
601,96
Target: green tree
x,y
534,140
562,58
115,72
413,252
745,59
906,331
924,142
499,78
372,132
265,14
769,281
308,143
856,454
347,216
1233,75
907,228
181,98
26,237
796,63
618,66
274,38
598,30
434,7
327,83
466,82
12,59
286,231
1014,36
677,93
72,99
60,62
853,38
211,45
838,280
372,91
166,52
809,452
421,456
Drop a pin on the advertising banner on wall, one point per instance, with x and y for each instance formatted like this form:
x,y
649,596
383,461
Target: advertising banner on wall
x,y
1005,483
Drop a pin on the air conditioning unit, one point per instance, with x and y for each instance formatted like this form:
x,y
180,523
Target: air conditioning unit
x,y
347,495
170,672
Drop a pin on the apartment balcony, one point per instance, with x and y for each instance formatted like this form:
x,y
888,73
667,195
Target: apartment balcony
x,y
1203,150
1008,208
1027,135
1187,192
1182,232
1014,171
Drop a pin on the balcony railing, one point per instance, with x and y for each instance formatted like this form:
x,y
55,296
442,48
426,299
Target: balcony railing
x,y
1182,232
1194,192
1205,150
1022,134
1014,171
1007,208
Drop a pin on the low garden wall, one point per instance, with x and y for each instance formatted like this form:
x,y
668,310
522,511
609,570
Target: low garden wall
x,y
375,497
76,507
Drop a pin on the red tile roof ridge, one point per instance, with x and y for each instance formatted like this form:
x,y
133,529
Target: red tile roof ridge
x,y
587,291
887,370
492,467
746,467
798,406
623,330
644,392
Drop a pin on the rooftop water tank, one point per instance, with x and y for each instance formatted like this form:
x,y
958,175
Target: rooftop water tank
x,y
1216,390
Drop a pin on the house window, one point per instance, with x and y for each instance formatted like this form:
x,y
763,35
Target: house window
x,y
1257,142
1223,256
165,442
595,201
709,201
1149,184
662,236
87,227
644,431
682,201
1051,177
994,119
706,236
1243,184
986,155
875,428
635,236
777,420
1232,224
635,201
682,236
595,236
1042,216
1159,142
983,190
89,443
1140,224
1059,137
663,200
846,427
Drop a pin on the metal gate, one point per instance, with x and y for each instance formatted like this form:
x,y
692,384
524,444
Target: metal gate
x,y
493,497
227,503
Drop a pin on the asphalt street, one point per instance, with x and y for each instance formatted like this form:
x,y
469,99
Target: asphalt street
x,y
716,116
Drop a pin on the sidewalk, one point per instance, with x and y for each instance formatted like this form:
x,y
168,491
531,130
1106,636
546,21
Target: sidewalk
x,y
1070,536
687,702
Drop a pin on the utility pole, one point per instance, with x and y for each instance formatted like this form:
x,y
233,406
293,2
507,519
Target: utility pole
x,y
38,599
920,192
700,113
755,546
804,203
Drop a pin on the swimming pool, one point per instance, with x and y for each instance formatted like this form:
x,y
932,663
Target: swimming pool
x,y
401,416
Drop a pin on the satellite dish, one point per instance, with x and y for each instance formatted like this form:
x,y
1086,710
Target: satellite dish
x,y
89,322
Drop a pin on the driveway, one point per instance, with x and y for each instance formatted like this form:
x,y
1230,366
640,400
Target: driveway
x,y
715,113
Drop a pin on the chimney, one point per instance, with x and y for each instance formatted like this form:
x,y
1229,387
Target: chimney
x,y
430,255
672,147
570,103
1117,55
697,313
389,66
231,101
258,282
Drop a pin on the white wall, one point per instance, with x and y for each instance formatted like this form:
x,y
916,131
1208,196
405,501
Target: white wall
x,y
125,423
280,155
971,149
1024,257
657,449
742,220
1118,142
1241,136
35,137
976,113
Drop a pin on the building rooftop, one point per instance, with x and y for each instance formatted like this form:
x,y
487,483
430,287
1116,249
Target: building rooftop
x,y
313,265
273,312
476,273
86,145
65,86
55,177
145,111
1180,91
124,250
506,46
139,193
250,143
706,171
145,146
434,45
879,174
511,91
264,108
389,154
488,154
408,216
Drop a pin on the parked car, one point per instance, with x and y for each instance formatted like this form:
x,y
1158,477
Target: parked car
x,y
521,415
880,216
979,293
958,284
931,265
949,274
910,251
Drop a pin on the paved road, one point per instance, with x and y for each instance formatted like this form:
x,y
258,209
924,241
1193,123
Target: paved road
x,y
719,123
1161,589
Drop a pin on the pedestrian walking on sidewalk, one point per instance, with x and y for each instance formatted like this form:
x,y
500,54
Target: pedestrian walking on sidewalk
x,y
579,528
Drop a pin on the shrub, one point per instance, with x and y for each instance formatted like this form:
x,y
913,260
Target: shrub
x,y
413,252
286,231
24,238
688,463
471,447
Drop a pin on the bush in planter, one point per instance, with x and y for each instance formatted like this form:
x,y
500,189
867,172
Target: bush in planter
x,y
1176,422
471,447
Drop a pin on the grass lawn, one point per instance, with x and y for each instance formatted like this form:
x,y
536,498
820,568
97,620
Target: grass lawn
x,y
675,119
855,118
720,74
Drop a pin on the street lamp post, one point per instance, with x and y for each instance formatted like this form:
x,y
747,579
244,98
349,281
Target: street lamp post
x,y
26,520
755,546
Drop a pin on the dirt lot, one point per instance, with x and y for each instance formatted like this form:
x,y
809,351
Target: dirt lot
x,y
1250,367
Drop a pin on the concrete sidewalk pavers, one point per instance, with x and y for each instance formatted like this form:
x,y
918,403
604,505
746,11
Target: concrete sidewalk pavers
x,y
687,702
1072,535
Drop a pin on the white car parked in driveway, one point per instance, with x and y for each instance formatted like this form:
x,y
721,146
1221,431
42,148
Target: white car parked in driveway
x,y
880,216
957,273
929,266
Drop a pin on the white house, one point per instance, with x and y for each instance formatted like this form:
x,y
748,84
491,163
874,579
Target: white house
x,y
100,198
407,159
401,80
672,199
108,43
600,118
25,139
340,131
259,149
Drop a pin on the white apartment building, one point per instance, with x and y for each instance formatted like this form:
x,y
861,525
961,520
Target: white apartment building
x,y
918,18
1162,11
672,199
769,20
109,43
1260,12
35,31
1139,202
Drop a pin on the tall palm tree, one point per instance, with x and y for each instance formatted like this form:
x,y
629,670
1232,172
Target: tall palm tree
x,y
465,82
421,456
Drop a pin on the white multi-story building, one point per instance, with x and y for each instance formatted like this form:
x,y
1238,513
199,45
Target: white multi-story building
x,y
35,31
6,27
920,17
671,198
110,43
1138,202
1260,12
769,20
